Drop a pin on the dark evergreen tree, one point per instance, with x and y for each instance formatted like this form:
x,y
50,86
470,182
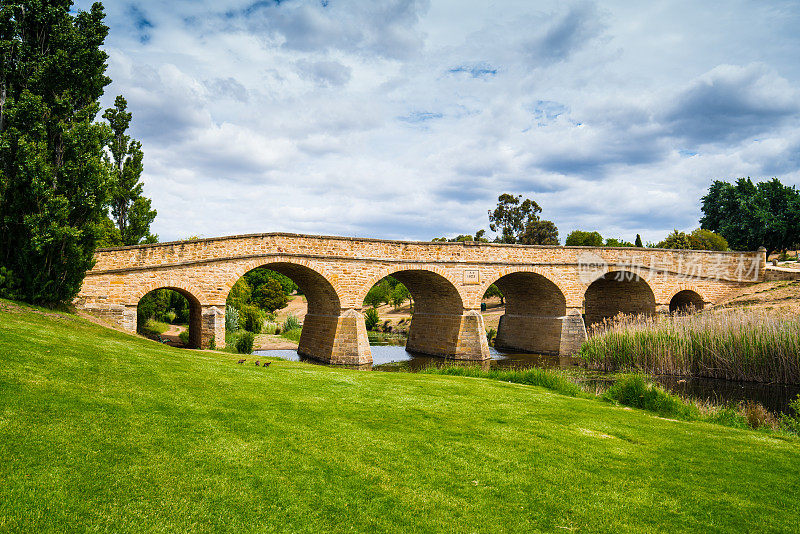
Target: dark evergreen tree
x,y
54,186
638,242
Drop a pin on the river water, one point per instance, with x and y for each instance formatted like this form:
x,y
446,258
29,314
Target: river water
x,y
775,397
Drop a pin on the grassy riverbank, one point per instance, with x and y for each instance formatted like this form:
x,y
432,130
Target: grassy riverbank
x,y
104,431
638,391
729,344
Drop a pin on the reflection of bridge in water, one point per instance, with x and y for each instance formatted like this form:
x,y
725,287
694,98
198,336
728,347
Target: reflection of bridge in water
x,y
548,289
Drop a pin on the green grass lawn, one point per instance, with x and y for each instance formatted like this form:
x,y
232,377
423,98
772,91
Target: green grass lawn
x,y
103,431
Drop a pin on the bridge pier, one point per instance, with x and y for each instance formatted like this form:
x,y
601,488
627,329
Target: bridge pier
x,y
340,340
462,337
529,333
209,325
573,332
542,334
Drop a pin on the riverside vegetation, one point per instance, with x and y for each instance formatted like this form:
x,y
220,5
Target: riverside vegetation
x,y
729,344
637,391
101,430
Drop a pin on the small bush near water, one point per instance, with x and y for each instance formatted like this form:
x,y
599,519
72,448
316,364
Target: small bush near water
x,y
251,319
292,323
728,344
636,392
534,376
371,318
244,343
271,327
292,328
231,319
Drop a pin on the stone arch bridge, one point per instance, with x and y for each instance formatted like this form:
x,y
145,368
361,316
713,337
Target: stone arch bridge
x,y
551,292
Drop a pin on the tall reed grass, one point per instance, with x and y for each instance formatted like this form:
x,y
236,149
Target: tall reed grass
x,y
728,344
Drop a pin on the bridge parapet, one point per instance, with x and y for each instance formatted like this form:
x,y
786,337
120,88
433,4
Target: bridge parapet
x,y
730,266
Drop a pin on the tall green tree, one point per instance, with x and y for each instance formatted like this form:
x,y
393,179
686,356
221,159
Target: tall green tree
x,y
539,232
517,221
511,216
270,296
638,242
54,185
131,210
752,215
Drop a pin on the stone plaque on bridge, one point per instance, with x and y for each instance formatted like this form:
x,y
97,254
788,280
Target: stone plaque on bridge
x,y
472,277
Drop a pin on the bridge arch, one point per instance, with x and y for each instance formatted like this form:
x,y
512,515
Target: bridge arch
x,y
195,326
321,335
322,294
618,292
437,277
180,285
534,312
439,325
686,300
487,281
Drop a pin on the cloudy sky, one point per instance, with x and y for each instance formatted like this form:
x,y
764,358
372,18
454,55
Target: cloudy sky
x,y
406,119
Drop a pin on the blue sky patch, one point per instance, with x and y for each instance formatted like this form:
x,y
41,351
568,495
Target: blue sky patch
x,y
482,70
416,117
142,24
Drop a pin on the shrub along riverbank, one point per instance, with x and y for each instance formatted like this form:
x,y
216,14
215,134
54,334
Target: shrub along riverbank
x,y
728,344
104,431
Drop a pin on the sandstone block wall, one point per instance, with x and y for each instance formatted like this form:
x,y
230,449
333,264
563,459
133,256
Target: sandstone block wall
x,y
447,281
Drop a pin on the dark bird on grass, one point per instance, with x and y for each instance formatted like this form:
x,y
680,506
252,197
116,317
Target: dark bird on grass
x,y
257,363
266,364
241,361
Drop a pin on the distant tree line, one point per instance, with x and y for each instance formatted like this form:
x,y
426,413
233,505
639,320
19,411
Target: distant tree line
x,y
699,239
740,216
387,291
751,215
